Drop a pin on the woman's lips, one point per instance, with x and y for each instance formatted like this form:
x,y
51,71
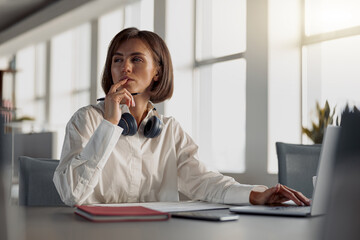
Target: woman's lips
x,y
126,78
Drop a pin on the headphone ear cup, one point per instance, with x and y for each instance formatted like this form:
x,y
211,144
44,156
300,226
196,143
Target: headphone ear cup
x,y
128,123
153,127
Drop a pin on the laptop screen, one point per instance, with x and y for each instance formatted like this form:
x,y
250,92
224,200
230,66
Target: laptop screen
x,y
325,169
342,220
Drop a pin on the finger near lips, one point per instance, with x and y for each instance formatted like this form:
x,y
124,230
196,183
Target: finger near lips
x,y
119,94
121,82
115,87
131,101
125,95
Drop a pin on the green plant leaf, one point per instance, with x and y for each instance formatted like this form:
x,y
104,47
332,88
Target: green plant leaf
x,y
325,116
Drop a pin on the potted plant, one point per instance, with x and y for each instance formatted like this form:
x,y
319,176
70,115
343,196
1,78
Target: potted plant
x,y
325,117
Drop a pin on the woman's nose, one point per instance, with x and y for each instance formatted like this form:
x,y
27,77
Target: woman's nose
x,y
126,67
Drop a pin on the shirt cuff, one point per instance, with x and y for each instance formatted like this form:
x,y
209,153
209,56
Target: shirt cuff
x,y
239,194
260,188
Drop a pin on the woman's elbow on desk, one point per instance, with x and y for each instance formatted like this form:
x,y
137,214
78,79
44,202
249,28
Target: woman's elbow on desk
x,y
65,191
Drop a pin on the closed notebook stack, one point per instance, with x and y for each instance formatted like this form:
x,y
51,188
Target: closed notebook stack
x,y
120,214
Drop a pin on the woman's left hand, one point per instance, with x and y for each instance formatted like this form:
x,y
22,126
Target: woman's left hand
x,y
278,194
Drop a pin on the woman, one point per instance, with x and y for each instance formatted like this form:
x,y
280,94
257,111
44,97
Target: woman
x,y
102,163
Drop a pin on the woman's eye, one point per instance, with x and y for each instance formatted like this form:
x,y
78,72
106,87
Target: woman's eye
x,y
137,59
117,60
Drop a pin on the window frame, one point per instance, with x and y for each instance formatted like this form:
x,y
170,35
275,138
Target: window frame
x,y
317,39
206,62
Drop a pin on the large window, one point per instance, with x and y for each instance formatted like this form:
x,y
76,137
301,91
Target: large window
x,y
331,50
207,49
284,76
4,63
221,70
30,86
322,16
109,25
70,76
221,114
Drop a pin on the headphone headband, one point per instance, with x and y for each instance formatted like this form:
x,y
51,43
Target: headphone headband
x,y
151,128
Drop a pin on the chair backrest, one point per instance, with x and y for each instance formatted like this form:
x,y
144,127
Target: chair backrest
x,y
298,163
36,145
36,187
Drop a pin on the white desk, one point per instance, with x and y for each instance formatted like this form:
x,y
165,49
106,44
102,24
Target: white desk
x,y
61,223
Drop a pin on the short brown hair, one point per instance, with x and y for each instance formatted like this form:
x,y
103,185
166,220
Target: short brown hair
x,y
161,89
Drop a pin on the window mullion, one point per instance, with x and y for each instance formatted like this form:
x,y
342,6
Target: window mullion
x,y
348,32
219,59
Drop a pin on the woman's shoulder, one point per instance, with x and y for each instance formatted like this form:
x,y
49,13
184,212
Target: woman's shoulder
x,y
172,123
169,120
180,136
89,111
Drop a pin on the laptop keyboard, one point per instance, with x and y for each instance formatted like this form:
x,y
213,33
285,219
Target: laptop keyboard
x,y
293,208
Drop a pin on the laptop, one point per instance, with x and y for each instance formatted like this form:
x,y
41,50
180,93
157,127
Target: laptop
x,y
321,189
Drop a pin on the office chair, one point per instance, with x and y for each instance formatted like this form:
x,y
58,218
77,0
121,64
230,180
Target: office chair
x,y
36,187
36,145
297,165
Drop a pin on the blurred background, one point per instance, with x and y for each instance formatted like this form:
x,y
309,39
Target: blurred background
x,y
247,73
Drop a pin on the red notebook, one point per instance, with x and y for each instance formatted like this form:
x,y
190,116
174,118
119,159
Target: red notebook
x,y
119,214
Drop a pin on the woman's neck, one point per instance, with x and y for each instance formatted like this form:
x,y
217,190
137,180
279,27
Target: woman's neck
x,y
140,110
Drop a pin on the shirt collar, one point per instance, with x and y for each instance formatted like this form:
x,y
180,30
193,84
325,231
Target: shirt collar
x,y
124,108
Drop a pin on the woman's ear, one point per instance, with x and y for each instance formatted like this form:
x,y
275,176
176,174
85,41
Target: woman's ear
x,y
156,76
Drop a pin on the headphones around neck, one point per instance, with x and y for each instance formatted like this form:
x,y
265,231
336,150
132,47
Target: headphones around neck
x,y
152,127
128,123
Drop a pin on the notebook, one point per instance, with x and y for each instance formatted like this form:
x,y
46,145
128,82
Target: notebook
x,y
321,189
120,214
207,215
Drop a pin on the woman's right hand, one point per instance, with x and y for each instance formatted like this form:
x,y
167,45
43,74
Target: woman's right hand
x,y
117,95
278,194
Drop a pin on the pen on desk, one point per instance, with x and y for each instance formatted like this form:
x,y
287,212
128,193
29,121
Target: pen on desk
x,y
102,99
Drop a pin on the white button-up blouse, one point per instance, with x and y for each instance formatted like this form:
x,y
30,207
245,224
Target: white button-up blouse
x,y
99,165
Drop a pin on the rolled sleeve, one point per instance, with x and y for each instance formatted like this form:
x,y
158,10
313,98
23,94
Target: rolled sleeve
x,y
84,155
239,194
